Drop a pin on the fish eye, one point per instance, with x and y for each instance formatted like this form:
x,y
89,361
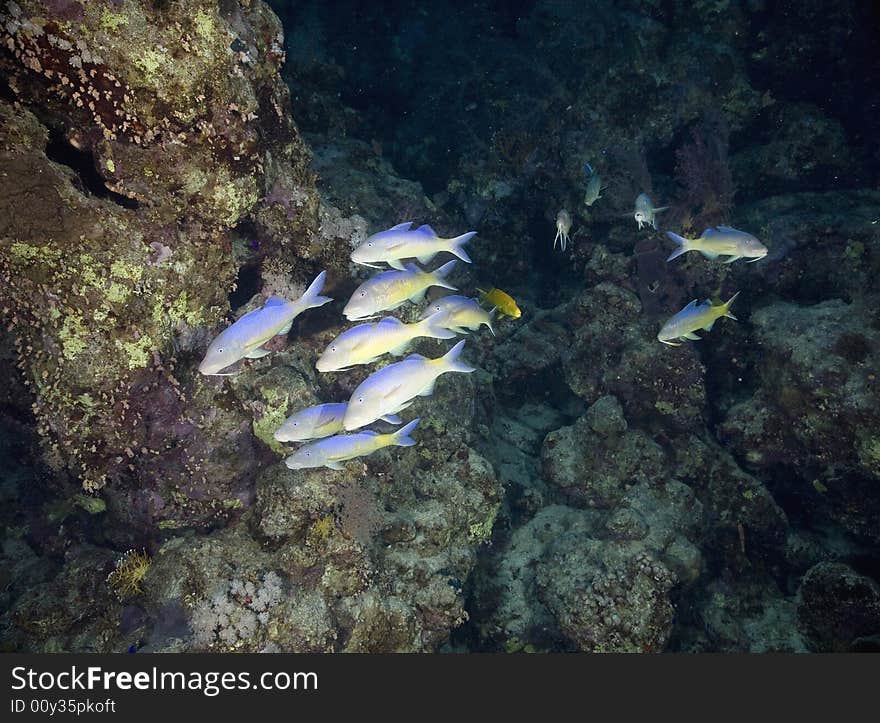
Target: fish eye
x,y
295,424
370,244
363,294
308,454
332,348
360,400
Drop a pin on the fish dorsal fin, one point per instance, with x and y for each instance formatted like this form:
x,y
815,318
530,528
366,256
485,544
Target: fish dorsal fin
x,y
275,301
413,269
390,322
692,305
427,230
401,226
250,313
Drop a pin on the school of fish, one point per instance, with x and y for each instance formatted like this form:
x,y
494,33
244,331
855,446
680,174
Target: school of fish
x,y
723,242
330,430
334,432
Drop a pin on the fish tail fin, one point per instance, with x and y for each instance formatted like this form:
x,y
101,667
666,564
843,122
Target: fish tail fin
x,y
456,245
491,319
725,307
401,437
427,328
312,298
440,275
450,360
683,245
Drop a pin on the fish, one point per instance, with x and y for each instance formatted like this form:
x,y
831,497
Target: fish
x,y
503,302
692,318
365,343
720,241
331,452
644,212
391,289
594,189
458,314
563,226
246,336
394,387
322,420
403,242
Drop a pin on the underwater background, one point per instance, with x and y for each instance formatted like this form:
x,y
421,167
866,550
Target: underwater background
x,y
169,165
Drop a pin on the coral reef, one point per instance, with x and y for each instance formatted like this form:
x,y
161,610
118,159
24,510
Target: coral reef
x,y
587,488
838,609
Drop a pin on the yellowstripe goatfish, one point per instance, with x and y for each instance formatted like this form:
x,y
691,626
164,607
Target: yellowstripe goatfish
x,y
246,336
404,242
335,450
390,289
720,241
316,422
458,313
365,343
393,388
692,318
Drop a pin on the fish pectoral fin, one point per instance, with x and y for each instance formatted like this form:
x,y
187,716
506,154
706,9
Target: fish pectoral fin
x,y
391,419
395,264
257,353
391,391
285,329
333,464
732,259
404,405
692,336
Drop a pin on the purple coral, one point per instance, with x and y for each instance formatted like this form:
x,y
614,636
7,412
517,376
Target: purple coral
x,y
703,173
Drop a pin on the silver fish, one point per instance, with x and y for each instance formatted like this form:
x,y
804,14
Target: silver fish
x,y
404,242
391,289
720,241
393,388
246,336
335,450
365,343
644,212
322,420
